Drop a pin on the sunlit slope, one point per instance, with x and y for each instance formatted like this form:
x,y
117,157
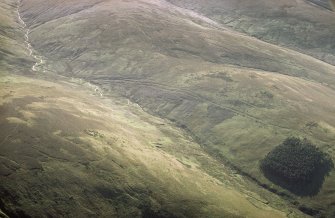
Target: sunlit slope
x,y
67,153
301,25
236,95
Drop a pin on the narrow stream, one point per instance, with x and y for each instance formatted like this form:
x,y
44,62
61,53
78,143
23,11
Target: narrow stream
x,y
39,60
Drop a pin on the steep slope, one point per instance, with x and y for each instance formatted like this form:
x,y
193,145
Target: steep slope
x,y
162,32
67,149
233,93
67,153
323,3
305,25
12,47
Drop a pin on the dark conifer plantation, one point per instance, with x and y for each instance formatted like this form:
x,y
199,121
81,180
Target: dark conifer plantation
x,y
297,165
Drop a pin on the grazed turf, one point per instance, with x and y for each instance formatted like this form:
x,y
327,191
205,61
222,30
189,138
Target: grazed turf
x,y
235,95
66,153
307,26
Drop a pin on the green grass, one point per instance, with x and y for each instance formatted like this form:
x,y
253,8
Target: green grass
x,y
71,154
233,94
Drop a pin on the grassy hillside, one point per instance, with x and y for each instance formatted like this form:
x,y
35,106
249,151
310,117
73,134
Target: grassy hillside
x,y
233,93
236,95
307,26
70,150
149,35
69,153
13,54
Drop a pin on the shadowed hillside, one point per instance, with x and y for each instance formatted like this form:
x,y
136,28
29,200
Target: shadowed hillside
x,y
323,3
302,25
12,47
